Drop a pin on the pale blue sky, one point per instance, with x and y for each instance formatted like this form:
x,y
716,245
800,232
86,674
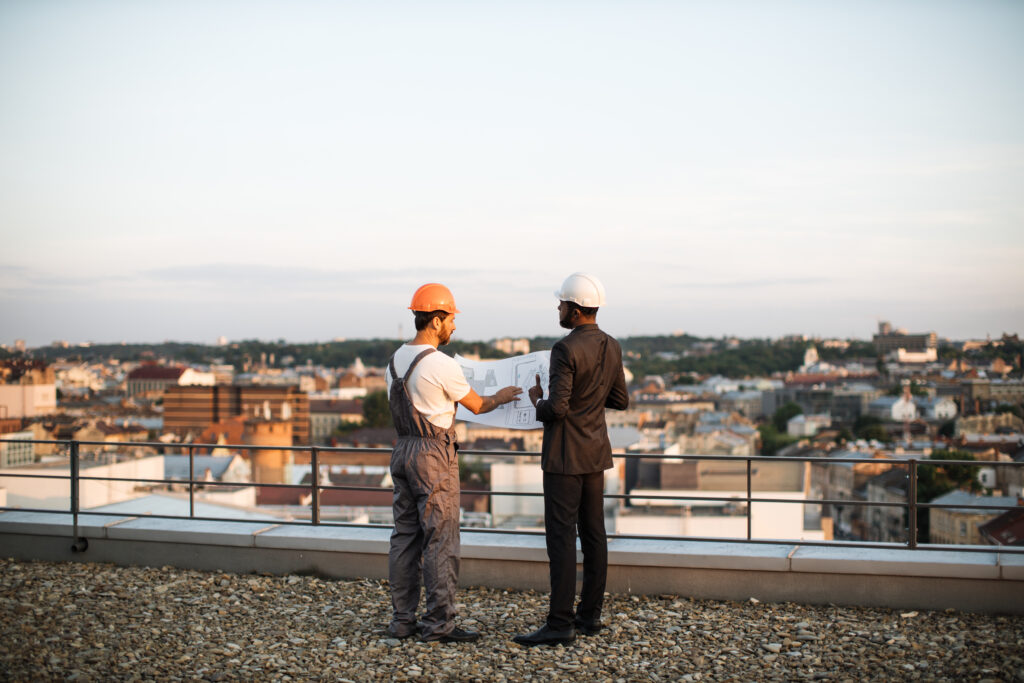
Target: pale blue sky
x,y
183,170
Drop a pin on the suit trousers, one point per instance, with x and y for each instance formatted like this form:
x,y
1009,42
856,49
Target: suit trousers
x,y
571,502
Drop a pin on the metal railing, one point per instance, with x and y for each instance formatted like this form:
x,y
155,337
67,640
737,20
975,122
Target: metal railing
x,y
316,488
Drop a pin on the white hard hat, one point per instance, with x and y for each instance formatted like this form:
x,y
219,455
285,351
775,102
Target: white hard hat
x,y
582,289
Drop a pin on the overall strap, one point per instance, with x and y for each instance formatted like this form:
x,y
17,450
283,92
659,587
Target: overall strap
x,y
416,361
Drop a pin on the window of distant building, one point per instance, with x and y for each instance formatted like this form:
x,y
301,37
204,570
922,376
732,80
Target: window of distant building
x,y
13,454
963,528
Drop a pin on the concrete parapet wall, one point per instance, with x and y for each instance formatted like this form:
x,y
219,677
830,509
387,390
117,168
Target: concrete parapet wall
x,y
990,582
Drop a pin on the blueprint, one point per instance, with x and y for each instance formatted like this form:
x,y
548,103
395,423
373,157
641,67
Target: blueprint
x,y
487,376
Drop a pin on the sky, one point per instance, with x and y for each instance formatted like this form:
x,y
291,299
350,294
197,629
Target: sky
x,y
191,169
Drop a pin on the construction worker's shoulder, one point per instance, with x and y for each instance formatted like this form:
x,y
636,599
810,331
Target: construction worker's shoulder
x,y
441,364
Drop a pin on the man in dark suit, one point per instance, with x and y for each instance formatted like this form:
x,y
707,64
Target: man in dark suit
x,y
586,376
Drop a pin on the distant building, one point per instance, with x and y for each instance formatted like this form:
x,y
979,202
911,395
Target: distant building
x,y
213,469
887,524
926,356
833,481
77,378
512,346
208,468
807,425
473,431
12,453
1006,529
984,395
895,408
936,408
648,511
959,526
813,399
27,389
99,430
888,341
989,424
325,415
272,462
851,401
747,403
117,480
527,512
152,379
191,409
370,437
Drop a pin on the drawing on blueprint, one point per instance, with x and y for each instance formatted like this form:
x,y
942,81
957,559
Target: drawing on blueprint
x,y
486,377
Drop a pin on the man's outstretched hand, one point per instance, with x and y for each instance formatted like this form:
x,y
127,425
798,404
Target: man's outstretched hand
x,y
536,392
507,395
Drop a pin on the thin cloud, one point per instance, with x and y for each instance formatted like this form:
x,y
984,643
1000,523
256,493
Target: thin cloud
x,y
748,284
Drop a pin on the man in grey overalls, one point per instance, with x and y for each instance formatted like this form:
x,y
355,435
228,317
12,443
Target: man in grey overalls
x,y
424,387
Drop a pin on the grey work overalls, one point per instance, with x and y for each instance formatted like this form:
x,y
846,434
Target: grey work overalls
x,y
425,471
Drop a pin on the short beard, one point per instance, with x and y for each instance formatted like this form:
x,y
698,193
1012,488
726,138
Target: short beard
x,y
445,340
564,321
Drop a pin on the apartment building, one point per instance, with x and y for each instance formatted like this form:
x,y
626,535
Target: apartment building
x,y
27,389
152,380
960,526
888,340
191,409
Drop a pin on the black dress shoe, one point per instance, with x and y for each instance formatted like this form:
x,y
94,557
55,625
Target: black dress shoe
x,y
587,627
457,635
546,635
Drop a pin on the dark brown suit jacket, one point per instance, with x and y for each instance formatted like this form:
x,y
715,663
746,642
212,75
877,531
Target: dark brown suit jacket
x,y
585,378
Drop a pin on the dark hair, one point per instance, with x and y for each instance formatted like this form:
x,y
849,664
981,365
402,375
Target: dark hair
x,y
585,311
423,318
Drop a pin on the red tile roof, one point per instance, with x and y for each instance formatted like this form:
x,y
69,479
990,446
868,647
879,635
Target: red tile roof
x,y
156,372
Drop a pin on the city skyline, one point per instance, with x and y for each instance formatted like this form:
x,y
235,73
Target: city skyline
x,y
187,171
406,332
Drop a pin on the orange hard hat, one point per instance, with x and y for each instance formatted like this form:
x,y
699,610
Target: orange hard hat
x,y
433,297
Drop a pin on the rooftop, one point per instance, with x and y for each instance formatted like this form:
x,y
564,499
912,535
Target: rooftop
x,y
172,624
156,372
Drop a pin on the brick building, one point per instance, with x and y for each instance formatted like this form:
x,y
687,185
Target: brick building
x,y
192,409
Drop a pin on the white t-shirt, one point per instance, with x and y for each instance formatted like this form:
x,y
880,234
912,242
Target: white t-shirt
x,y
436,385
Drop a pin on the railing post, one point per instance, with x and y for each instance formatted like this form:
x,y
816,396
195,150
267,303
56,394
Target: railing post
x,y
78,544
314,461
912,494
191,482
749,511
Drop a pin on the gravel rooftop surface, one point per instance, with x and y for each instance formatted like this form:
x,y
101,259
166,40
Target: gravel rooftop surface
x,y
71,621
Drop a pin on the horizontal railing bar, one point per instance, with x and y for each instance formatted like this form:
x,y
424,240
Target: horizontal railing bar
x,y
43,510
626,456
35,476
743,499
199,482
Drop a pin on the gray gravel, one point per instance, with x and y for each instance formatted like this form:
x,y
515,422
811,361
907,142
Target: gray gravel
x,y
75,621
